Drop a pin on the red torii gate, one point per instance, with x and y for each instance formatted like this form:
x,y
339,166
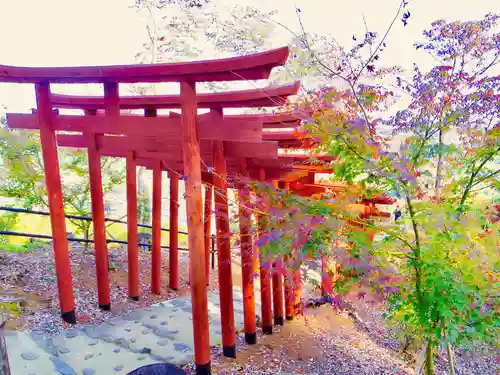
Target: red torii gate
x,y
268,97
257,66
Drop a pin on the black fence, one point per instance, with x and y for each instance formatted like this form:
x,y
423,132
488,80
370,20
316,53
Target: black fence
x,y
85,240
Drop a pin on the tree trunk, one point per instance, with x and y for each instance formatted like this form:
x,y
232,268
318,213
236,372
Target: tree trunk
x,y
4,358
439,168
429,359
86,234
451,362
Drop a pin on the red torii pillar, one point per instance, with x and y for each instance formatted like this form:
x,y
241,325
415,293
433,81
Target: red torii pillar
x,y
288,279
132,236
174,231
192,172
156,220
112,108
223,247
265,275
277,291
56,205
247,262
208,228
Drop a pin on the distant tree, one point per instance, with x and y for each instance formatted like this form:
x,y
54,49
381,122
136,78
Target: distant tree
x,y
23,177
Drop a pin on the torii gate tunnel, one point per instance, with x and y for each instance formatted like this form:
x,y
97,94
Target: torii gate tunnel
x,y
203,148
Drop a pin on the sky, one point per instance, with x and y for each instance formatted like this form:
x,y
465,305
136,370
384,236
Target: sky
x,y
105,32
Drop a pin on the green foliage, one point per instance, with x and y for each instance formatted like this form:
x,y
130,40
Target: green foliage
x,y
7,222
23,177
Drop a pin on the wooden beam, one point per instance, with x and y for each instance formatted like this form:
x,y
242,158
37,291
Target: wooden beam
x,y
120,145
273,96
192,172
153,128
223,238
247,261
174,231
250,67
56,204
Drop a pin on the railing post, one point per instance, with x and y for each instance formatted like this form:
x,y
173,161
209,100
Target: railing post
x,y
56,205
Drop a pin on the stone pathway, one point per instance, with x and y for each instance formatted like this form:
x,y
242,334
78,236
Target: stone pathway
x,y
161,333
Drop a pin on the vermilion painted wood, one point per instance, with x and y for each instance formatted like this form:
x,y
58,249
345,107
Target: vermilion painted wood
x,y
288,281
255,66
224,251
56,205
247,261
265,274
97,204
277,282
272,173
170,148
208,229
307,158
132,239
174,231
156,231
154,129
326,284
192,172
269,120
265,97
111,98
297,291
156,221
272,120
279,135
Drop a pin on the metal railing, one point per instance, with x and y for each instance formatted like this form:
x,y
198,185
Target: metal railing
x,y
86,240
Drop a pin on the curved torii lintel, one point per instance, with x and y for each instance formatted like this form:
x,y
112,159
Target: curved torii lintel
x,y
249,67
264,97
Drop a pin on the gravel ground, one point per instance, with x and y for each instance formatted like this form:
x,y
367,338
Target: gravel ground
x,y
352,340
29,279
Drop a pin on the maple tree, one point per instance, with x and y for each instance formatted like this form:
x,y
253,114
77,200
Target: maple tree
x,y
437,267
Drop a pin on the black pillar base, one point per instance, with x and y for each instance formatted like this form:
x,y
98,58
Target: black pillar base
x,y
229,351
267,330
69,317
203,369
289,318
106,307
278,321
134,298
251,338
